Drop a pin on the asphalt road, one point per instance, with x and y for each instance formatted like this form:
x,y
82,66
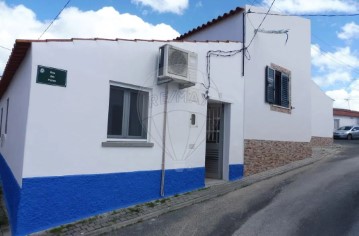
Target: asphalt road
x,y
320,199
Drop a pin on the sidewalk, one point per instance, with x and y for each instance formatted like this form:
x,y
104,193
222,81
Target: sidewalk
x,y
108,222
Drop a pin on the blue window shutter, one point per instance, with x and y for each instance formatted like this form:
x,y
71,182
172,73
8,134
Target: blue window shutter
x,y
285,99
269,90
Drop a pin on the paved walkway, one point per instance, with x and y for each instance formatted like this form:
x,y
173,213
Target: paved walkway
x,y
108,222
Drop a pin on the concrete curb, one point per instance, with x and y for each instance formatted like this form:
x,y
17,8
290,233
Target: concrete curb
x,y
108,222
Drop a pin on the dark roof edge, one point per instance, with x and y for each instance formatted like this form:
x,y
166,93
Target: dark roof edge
x,y
16,57
210,23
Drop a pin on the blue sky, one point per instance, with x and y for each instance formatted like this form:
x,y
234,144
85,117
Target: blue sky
x,y
335,40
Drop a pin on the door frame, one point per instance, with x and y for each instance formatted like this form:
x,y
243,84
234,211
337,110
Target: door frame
x,y
223,163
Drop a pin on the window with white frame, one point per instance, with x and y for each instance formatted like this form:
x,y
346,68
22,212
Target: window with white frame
x,y
277,87
127,114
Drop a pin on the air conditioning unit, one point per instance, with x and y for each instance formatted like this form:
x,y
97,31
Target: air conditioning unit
x,y
178,66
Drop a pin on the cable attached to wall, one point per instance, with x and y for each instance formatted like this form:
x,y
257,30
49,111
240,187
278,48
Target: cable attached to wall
x,y
265,16
283,31
217,53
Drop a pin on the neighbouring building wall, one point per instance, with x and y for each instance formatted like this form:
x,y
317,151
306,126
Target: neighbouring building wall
x,y
322,117
345,120
14,105
68,169
275,136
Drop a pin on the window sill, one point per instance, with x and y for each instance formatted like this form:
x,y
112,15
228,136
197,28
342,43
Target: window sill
x,y
280,109
126,144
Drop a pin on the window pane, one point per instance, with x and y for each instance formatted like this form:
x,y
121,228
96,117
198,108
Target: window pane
x,y
278,88
115,113
269,93
285,91
136,114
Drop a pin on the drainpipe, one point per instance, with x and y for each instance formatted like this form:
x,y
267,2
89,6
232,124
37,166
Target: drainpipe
x,y
163,165
243,41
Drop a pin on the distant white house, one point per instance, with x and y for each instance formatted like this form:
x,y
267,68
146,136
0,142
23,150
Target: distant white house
x,y
92,125
344,117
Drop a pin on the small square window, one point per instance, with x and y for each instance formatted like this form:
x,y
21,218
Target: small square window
x,y
127,114
277,88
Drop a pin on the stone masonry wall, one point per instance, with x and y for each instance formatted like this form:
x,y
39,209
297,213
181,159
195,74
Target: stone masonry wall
x,y
262,155
321,141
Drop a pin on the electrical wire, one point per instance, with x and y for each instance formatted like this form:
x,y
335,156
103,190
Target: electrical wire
x,y
217,53
337,61
67,3
321,51
307,15
5,48
256,31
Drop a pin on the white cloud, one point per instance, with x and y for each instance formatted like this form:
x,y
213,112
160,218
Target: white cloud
x,y
314,6
173,6
349,31
336,72
342,58
20,22
334,68
335,77
347,99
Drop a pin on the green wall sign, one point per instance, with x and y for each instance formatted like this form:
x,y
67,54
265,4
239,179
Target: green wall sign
x,y
51,76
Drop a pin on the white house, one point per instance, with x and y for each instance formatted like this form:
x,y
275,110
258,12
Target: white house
x,y
344,117
92,125
286,114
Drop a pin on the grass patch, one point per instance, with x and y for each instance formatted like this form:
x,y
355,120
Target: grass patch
x,y
202,189
4,220
57,230
134,209
164,200
176,195
150,204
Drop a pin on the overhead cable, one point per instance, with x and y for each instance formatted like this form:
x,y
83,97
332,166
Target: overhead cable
x,y
67,3
5,48
256,31
308,15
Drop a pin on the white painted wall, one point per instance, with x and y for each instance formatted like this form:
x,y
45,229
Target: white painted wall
x,y
322,113
230,29
345,120
260,122
66,126
12,147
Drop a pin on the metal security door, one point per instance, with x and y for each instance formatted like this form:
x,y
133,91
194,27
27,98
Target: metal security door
x,y
214,137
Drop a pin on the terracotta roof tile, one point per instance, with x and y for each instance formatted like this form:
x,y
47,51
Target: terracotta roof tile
x,y
210,23
17,55
345,112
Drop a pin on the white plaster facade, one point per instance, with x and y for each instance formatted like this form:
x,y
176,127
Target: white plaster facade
x,y
56,135
322,116
261,122
13,141
64,127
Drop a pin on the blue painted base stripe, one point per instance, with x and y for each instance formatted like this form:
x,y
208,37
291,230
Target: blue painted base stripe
x,y
235,171
51,201
11,192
